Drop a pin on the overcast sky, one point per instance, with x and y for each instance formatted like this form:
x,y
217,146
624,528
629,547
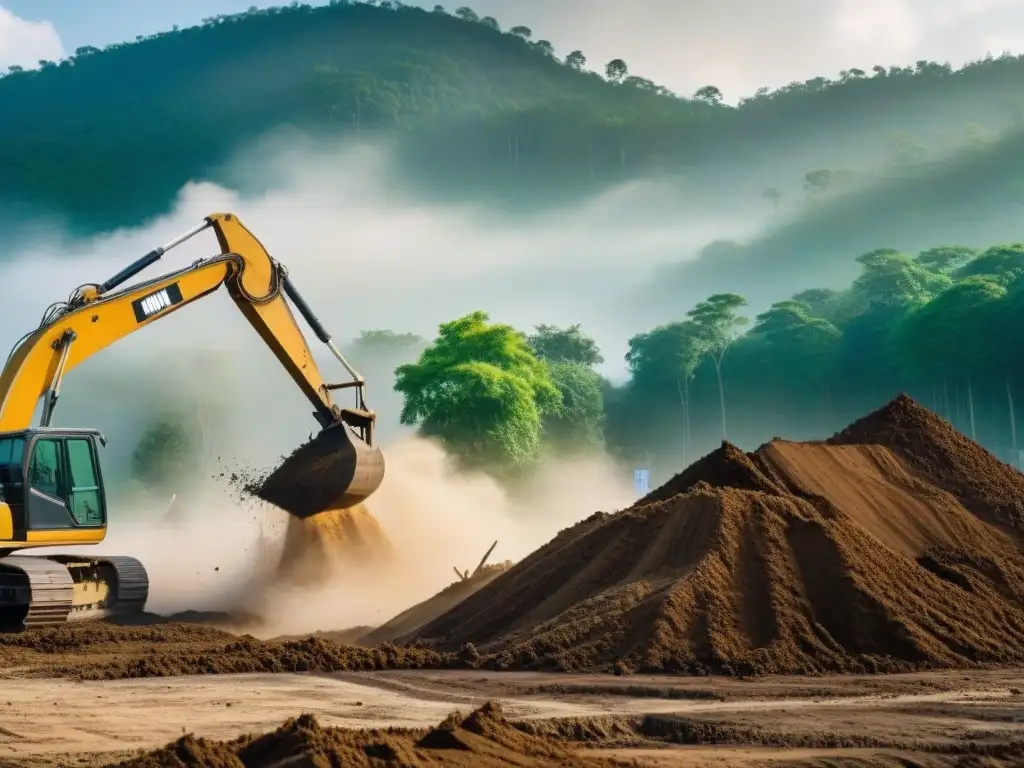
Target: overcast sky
x,y
738,45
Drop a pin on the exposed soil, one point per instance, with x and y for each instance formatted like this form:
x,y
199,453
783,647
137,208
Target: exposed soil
x,y
885,555
483,738
104,651
922,719
988,487
408,621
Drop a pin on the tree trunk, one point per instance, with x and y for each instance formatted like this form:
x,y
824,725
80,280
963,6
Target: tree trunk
x,y
686,410
682,403
721,395
970,407
1013,424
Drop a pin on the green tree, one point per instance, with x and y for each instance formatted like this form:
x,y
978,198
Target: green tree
x,y
718,324
662,363
578,424
615,70
1003,264
801,349
953,335
819,301
481,391
520,31
576,60
892,278
565,345
165,454
545,47
467,14
709,94
945,258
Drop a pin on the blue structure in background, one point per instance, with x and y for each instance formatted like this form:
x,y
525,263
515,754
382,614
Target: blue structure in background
x,y
642,481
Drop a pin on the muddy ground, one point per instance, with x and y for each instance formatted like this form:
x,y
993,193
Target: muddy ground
x,y
927,718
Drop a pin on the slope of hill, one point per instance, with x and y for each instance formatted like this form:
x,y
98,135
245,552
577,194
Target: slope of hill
x,y
972,196
475,109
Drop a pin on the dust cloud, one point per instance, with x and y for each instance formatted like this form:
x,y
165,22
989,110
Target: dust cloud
x,y
219,553
365,255
437,519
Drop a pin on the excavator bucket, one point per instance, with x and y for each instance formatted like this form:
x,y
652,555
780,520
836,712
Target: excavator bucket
x,y
334,470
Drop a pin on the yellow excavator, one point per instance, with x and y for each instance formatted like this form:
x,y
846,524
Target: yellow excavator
x,y
51,482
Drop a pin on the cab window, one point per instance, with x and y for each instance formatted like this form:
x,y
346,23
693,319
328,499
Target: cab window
x,y
84,499
44,471
11,450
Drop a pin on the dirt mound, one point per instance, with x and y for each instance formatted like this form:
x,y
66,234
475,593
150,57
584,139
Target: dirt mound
x,y
317,547
484,739
988,487
810,557
410,620
725,467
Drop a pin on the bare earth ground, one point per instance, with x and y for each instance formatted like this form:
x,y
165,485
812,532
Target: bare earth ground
x,y
844,720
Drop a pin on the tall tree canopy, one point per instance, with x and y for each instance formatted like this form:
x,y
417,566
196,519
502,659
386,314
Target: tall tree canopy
x,y
565,345
481,391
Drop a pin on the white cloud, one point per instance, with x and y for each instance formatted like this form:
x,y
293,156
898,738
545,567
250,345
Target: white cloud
x,y
25,43
740,45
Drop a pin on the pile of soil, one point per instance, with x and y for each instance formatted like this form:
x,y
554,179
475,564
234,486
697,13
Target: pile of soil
x,y
882,549
948,459
484,739
411,619
317,547
98,650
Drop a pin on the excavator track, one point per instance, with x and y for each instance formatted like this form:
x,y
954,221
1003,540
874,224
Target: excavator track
x,y
40,591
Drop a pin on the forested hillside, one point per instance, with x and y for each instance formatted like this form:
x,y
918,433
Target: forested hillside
x,y
478,106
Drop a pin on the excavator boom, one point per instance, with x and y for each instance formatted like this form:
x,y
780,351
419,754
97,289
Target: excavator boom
x,y
52,490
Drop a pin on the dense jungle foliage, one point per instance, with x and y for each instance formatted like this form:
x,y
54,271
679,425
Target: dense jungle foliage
x,y
474,106
941,325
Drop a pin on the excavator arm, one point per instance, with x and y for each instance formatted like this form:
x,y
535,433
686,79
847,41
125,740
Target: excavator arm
x,y
51,482
98,315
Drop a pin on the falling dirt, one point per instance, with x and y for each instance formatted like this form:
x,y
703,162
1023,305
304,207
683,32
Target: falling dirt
x,y
484,738
317,547
880,550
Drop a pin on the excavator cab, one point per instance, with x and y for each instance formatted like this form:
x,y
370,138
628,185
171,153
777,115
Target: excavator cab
x,y
51,486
